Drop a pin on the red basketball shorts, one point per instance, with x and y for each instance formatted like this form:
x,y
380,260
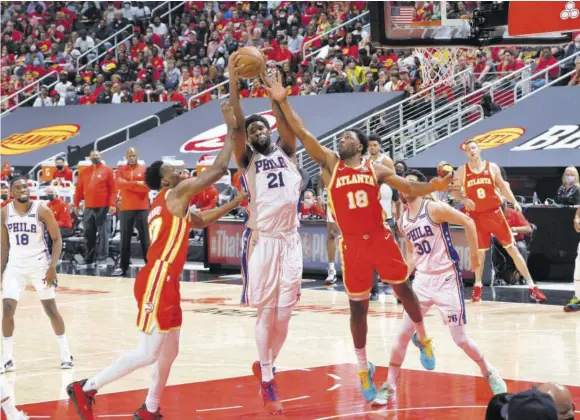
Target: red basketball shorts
x,y
158,299
363,254
492,222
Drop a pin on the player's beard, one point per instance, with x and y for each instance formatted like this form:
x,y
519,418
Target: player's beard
x,y
262,146
23,200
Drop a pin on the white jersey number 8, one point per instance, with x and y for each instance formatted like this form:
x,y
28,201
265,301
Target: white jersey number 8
x,y
480,193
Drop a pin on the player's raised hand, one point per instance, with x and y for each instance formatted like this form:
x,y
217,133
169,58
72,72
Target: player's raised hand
x,y
233,74
474,262
51,276
274,87
228,113
442,184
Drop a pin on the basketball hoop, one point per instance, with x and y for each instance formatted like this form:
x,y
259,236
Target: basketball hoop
x,y
438,64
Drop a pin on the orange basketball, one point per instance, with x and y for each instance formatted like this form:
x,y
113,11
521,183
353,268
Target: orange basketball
x,y
250,62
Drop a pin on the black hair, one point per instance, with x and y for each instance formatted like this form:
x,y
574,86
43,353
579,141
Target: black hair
x,y
256,118
375,137
362,138
16,178
495,405
402,163
153,175
418,174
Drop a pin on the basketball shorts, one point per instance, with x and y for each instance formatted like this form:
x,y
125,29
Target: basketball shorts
x,y
492,222
271,269
443,290
363,254
156,290
15,279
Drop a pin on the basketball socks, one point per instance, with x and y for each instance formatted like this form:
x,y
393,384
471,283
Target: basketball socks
x,y
361,358
420,328
64,350
331,268
7,347
267,373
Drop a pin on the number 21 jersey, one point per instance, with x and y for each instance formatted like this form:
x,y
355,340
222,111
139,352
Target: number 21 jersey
x,y
273,183
354,199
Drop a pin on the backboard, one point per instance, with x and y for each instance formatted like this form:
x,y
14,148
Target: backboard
x,y
400,24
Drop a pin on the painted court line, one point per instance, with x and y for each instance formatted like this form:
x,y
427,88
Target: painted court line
x,y
333,376
296,399
219,408
401,409
333,387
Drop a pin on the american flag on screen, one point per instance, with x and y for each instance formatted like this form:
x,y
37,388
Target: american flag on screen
x,y
402,15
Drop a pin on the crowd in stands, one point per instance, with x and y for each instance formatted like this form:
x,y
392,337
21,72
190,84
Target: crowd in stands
x,y
175,59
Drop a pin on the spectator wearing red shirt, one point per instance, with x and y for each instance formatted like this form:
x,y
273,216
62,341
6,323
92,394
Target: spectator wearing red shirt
x,y
5,196
96,185
62,171
87,98
509,63
520,227
309,208
206,199
350,49
283,54
61,212
546,60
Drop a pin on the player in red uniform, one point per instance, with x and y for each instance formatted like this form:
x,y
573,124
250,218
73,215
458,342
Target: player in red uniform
x,y
157,284
481,181
366,244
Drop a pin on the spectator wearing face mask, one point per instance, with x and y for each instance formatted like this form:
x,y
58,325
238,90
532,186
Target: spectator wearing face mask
x,y
5,196
62,171
61,212
569,192
309,209
340,85
96,185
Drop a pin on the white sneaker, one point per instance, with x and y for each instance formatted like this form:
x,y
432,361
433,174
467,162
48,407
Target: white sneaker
x,y
496,383
8,366
331,279
67,363
385,394
2,370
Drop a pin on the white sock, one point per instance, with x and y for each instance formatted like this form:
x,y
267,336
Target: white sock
x,y
331,267
267,373
64,350
7,348
361,357
264,334
577,288
420,328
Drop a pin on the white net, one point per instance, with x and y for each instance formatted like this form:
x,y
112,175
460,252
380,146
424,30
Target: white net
x,y
438,64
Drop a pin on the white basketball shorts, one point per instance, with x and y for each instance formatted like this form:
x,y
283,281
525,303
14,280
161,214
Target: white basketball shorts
x,y
444,291
271,269
15,279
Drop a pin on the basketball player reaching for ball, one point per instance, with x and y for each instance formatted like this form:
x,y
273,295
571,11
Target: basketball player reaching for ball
x,y
7,405
157,284
366,245
430,252
26,259
271,248
481,181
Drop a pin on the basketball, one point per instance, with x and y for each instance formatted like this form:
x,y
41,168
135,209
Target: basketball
x,y
444,170
250,62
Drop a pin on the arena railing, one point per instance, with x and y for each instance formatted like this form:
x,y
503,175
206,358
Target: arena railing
x,y
177,6
394,116
100,44
211,89
417,136
524,88
159,6
330,31
16,94
127,132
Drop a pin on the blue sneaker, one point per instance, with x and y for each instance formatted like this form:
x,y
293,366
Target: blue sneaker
x,y
367,386
427,355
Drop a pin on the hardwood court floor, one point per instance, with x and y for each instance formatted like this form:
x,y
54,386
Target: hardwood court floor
x,y
211,378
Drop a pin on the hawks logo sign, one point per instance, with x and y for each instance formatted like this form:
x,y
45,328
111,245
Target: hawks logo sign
x,y
32,140
213,139
496,138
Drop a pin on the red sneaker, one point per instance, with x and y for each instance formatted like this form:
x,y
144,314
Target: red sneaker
x,y
269,393
476,296
537,295
83,401
143,414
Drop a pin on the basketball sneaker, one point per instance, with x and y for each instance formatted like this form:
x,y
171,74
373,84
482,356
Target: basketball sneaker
x,y
476,296
331,278
367,386
18,415
573,305
143,414
385,394
8,366
269,393
67,364
427,355
496,383
83,401
537,295
257,370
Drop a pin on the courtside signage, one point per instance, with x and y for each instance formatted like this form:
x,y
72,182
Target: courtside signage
x,y
38,138
496,138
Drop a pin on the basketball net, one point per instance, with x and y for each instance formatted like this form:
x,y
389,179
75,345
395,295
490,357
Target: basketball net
x,y
438,64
